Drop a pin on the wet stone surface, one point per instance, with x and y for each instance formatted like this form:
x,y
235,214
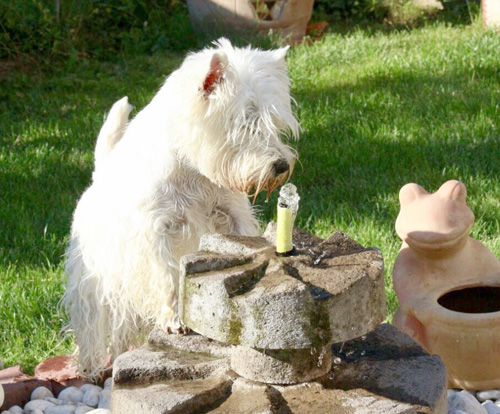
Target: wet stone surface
x,y
331,291
263,332
385,380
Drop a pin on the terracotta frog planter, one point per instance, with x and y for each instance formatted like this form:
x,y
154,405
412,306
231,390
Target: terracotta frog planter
x,y
448,285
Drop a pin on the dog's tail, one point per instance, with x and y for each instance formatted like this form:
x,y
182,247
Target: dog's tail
x,y
112,130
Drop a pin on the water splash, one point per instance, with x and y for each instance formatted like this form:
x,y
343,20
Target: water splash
x,y
289,198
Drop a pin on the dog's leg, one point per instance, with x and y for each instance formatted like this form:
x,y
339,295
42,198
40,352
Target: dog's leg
x,y
112,130
243,218
88,318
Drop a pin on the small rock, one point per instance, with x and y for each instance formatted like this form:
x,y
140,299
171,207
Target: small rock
x,y
491,408
91,397
108,383
54,400
105,399
86,387
6,412
36,411
457,412
465,401
61,409
18,386
451,391
488,395
83,409
16,409
34,404
72,394
100,411
41,393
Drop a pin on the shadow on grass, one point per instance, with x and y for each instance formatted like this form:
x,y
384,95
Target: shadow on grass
x,y
430,130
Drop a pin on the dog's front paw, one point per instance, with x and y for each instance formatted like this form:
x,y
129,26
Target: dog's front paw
x,y
178,329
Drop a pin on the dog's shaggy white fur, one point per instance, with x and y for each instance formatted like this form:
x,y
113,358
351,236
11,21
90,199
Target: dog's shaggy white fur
x,y
184,166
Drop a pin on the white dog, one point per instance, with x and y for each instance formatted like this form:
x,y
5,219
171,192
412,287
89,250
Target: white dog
x,y
184,166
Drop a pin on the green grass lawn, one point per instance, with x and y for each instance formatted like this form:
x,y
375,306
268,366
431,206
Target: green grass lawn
x,y
377,109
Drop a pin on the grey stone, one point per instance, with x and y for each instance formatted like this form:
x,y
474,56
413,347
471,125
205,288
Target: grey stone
x,y
332,292
232,245
488,395
83,409
301,238
419,388
33,404
36,411
91,397
72,394
1,363
105,399
491,408
86,387
389,363
178,397
249,397
61,409
41,393
108,383
451,391
191,342
147,364
283,366
466,402
53,400
237,291
101,411
312,398
16,409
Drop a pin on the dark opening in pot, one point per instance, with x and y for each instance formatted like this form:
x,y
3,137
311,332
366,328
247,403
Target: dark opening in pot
x,y
479,299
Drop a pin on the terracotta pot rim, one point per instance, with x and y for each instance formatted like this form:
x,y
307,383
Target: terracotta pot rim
x,y
428,309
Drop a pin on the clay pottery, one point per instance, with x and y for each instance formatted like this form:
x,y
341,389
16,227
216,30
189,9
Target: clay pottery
x,y
448,285
490,10
222,17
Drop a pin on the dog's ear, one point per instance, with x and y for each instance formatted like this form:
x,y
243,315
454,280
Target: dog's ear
x,y
215,74
281,52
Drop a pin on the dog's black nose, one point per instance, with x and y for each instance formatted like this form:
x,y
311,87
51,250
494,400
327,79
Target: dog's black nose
x,y
281,166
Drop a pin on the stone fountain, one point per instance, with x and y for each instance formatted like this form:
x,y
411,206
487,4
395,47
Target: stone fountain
x,y
271,334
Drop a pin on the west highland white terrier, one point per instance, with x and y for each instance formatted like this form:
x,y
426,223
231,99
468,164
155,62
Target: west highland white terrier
x,y
183,167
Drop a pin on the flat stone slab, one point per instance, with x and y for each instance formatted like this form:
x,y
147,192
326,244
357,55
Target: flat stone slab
x,y
383,372
237,291
391,364
282,366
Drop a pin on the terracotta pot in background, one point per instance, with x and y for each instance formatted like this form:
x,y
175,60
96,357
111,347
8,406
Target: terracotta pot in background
x,y
223,17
